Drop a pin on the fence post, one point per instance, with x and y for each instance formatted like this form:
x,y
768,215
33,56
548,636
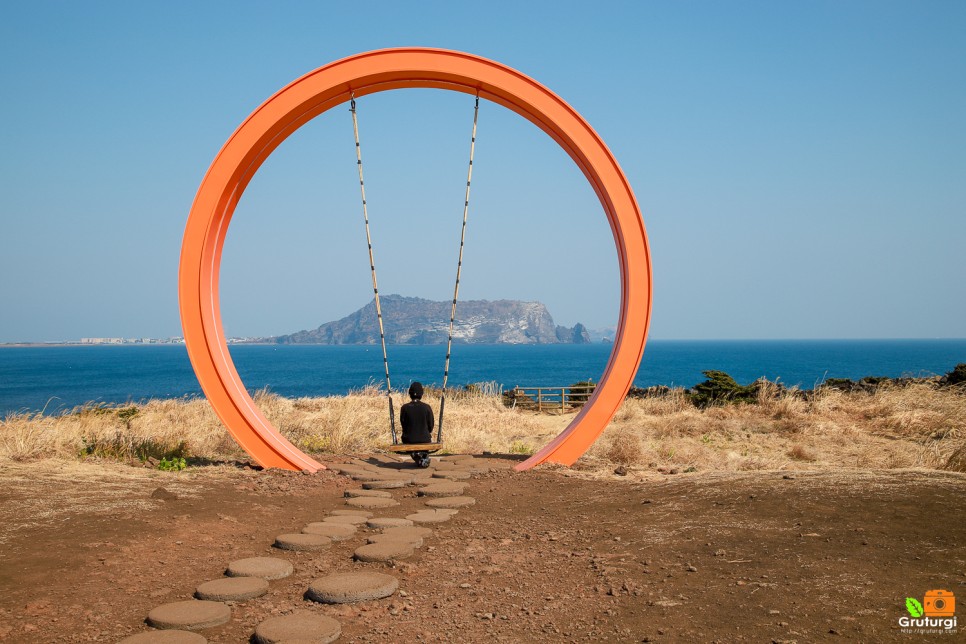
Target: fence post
x,y
539,399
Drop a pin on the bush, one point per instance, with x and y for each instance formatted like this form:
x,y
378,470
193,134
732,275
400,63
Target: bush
x,y
720,388
578,394
957,375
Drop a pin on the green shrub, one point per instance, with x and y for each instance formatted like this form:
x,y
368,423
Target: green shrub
x,y
957,375
173,464
576,394
720,388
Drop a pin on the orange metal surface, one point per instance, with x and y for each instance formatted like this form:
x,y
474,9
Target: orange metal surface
x,y
332,85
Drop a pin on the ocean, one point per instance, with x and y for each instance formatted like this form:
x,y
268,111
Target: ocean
x,y
58,378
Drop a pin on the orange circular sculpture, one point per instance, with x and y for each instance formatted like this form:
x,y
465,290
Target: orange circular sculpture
x,y
332,85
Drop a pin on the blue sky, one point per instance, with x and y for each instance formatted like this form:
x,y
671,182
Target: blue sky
x,y
801,167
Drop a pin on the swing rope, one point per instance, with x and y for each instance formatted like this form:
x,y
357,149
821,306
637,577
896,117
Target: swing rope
x,y
459,267
372,267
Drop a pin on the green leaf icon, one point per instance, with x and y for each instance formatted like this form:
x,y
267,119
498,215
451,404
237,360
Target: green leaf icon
x,y
914,607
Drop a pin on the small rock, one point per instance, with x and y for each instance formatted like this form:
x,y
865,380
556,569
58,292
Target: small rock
x,y
620,470
692,568
163,495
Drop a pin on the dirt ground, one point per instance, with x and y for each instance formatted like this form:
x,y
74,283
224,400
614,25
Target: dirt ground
x,y
87,549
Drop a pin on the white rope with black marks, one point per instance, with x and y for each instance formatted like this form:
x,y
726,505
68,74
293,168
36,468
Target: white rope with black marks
x,y
459,268
372,267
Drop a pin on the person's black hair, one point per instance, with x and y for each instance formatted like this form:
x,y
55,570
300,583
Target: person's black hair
x,y
416,391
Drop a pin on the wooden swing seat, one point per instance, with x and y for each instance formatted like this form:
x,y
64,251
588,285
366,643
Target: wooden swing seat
x,y
404,448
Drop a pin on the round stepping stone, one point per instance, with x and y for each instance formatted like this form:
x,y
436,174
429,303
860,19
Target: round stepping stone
x,y
452,475
351,513
429,516
371,502
451,502
414,541
380,523
446,465
191,615
302,541
334,531
368,493
385,484
384,551
366,476
346,469
346,519
232,589
349,587
265,567
165,637
301,626
442,489
408,532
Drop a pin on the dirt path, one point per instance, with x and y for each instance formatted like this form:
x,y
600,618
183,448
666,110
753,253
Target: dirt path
x,y
88,550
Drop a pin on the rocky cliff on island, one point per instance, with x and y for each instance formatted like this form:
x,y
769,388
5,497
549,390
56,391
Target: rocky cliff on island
x,y
413,320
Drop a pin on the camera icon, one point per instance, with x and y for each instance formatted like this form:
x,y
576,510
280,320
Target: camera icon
x,y
939,603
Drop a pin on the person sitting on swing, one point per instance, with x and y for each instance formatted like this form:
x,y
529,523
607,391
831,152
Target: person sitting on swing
x,y
417,422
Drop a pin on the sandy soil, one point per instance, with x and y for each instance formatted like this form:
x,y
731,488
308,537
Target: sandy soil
x,y
88,549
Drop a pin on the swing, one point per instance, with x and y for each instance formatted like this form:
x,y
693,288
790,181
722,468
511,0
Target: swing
x,y
397,446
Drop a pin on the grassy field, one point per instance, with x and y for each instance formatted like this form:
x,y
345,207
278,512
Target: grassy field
x,y
920,425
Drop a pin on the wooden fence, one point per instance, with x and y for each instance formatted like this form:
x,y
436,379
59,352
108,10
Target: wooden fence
x,y
549,398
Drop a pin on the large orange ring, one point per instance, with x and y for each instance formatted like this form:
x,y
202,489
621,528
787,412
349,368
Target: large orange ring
x,y
379,71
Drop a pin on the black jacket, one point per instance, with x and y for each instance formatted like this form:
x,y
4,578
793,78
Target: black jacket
x,y
417,422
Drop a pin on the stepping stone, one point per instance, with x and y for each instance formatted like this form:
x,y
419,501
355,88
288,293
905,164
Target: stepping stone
x,y
351,494
301,626
457,458
349,587
415,541
265,567
408,532
367,476
384,459
345,519
351,513
232,589
452,475
165,637
302,542
386,484
380,523
347,470
376,474
430,516
191,615
451,502
446,466
384,551
445,488
334,531
371,502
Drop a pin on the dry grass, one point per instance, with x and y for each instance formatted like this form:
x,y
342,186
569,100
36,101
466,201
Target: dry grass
x,y
921,425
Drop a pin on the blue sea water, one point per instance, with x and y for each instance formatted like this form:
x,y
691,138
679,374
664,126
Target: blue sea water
x,y
59,378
